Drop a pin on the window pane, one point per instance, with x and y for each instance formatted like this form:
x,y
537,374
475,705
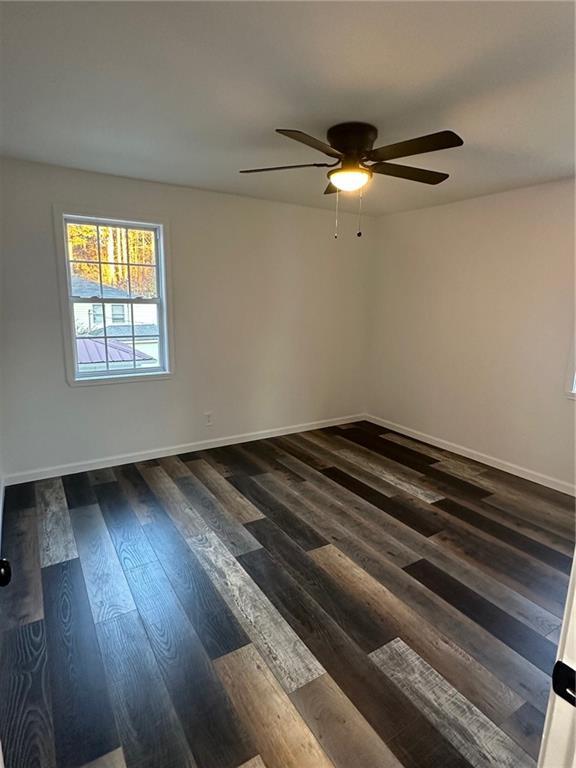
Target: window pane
x,y
147,352
82,242
141,246
145,319
118,313
115,281
88,319
118,323
120,353
143,282
85,280
91,354
113,245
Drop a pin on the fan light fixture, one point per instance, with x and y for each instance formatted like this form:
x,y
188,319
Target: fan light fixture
x,y
350,179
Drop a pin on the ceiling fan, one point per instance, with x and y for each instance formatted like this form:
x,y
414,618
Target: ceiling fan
x,y
351,145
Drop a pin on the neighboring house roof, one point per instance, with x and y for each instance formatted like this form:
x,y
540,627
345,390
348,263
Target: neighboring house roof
x,y
94,351
119,329
88,289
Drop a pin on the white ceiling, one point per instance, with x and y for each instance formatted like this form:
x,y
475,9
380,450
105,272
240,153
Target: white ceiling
x,y
189,93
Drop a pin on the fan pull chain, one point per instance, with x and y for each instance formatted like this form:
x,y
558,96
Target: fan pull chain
x,y
337,206
359,232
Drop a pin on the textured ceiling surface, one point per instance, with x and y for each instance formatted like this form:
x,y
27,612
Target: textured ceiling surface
x,y
189,93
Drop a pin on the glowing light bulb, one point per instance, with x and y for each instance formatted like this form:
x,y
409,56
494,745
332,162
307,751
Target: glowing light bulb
x,y
350,179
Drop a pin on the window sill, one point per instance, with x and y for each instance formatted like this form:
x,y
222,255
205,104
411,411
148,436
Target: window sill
x,y
570,395
97,380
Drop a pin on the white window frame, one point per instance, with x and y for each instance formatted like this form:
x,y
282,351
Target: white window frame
x,y
63,214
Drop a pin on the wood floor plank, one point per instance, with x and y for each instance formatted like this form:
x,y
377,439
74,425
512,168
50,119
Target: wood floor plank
x,y
286,445
111,760
344,734
136,490
377,471
106,584
215,736
368,426
392,715
236,538
291,661
535,510
54,528
526,727
337,522
265,456
124,527
256,762
345,539
150,732
561,502
79,490
21,600
102,475
281,736
529,682
228,461
430,450
215,624
522,525
364,629
451,485
435,478
379,444
84,727
232,500
188,521
174,467
374,469
26,731
19,496
467,675
537,581
295,527
394,548
537,649
472,733
501,532
407,515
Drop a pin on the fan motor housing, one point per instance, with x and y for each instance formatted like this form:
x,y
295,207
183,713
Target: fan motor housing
x,y
352,139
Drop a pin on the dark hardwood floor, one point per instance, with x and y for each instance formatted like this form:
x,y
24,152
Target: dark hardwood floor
x,y
348,597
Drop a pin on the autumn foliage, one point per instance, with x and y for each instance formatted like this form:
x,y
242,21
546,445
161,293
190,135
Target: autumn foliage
x,y
123,258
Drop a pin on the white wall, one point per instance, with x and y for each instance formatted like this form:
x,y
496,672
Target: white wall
x,y
472,324
269,325
453,322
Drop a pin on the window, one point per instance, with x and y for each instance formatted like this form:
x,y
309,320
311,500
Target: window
x,y
97,315
118,313
116,299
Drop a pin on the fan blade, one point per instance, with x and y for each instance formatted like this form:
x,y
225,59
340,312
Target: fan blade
x,y
430,143
310,141
407,172
286,167
330,189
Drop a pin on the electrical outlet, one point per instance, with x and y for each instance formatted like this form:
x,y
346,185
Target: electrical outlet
x,y
208,418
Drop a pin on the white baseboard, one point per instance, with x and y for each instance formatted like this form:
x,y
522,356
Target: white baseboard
x,y
470,453
155,453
